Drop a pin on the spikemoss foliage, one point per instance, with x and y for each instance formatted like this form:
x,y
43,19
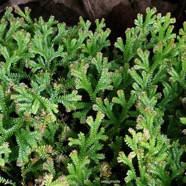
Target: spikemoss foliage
x,y
70,114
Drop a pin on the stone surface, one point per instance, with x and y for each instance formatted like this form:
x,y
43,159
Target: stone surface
x,y
119,14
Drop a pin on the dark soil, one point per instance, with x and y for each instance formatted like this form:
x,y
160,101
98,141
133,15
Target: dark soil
x,y
118,19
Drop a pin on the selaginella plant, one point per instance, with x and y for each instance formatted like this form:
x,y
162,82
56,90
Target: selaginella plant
x,y
158,157
67,101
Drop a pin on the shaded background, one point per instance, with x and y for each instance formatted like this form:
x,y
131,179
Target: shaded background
x,y
119,14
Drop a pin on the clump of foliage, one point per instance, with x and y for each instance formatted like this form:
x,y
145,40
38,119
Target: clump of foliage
x,y
67,102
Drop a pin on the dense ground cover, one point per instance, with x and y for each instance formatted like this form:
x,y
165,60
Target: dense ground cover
x,y
73,112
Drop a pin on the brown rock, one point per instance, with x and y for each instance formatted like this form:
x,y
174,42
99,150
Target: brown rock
x,y
11,3
119,14
121,17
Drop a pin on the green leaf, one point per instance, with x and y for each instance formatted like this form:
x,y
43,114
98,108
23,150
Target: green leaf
x,y
35,106
183,120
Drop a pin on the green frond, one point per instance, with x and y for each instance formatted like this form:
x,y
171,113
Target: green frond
x,y
80,141
22,38
148,21
84,24
116,79
120,99
5,53
26,101
128,49
183,120
105,107
4,154
136,77
60,181
49,166
5,181
78,170
14,25
130,176
25,14
3,27
97,40
25,140
122,158
84,108
101,63
82,82
8,13
62,33
132,143
104,83
143,62
70,100
43,151
90,145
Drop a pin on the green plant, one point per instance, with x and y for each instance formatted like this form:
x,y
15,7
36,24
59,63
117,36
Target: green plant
x,y
65,105
158,159
86,163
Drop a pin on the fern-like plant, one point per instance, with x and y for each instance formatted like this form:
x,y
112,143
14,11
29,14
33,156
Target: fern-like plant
x,y
67,101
